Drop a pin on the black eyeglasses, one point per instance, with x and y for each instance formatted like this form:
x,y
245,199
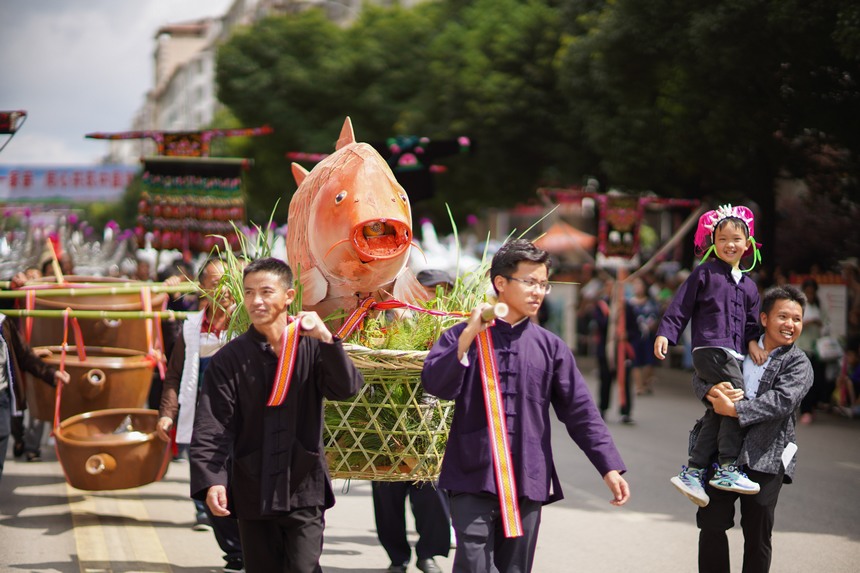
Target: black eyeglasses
x,y
533,284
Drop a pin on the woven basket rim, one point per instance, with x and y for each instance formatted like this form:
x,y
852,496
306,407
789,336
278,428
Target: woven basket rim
x,y
386,352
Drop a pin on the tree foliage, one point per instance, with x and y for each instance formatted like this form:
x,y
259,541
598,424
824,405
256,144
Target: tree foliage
x,y
713,99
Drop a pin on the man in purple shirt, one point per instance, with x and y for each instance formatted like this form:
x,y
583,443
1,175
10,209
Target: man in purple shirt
x,y
536,370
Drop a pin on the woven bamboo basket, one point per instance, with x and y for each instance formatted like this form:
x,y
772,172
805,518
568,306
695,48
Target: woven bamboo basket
x,y
391,430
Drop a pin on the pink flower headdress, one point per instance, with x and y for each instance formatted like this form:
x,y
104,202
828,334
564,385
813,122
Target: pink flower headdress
x,y
704,238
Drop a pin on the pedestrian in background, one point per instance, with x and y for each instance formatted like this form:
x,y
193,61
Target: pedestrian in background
x,y
815,325
642,338
429,505
16,357
609,342
203,333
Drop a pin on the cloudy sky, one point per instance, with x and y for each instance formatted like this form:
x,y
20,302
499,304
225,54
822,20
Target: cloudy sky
x,y
78,66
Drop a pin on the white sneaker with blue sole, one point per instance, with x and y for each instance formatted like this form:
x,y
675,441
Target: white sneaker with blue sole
x,y
691,482
730,478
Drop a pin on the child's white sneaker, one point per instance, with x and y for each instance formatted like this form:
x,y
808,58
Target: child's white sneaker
x,y
691,482
730,478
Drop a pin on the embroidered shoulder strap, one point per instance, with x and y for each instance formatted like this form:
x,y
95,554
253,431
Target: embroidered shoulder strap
x,y
286,363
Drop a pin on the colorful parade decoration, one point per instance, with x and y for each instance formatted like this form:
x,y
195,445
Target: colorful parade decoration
x,y
183,143
189,198
412,158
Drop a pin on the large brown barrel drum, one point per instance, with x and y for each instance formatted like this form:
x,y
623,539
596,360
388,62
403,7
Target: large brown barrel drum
x,y
108,378
125,333
111,449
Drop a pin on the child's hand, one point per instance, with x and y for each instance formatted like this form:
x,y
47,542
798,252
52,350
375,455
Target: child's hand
x,y
757,353
661,347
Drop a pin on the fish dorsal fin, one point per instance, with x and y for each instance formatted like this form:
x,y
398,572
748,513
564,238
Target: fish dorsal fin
x,y
347,136
299,173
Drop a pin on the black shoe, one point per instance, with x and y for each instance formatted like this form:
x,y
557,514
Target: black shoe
x,y
18,449
627,420
396,568
234,566
428,566
34,457
202,523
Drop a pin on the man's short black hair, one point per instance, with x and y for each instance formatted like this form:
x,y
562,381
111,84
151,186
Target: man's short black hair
x,y
271,265
782,292
507,259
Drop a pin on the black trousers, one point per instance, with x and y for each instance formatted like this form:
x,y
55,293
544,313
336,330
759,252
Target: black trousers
x,y
429,507
289,543
821,387
226,531
757,518
607,373
481,543
720,435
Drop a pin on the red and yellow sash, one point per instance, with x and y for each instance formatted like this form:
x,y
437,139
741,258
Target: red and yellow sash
x,y
506,483
286,363
356,318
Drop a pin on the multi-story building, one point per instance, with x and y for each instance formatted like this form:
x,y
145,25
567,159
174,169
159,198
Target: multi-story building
x,y
183,96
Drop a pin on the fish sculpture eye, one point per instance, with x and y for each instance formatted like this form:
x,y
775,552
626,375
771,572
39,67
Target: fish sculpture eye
x,y
403,197
340,197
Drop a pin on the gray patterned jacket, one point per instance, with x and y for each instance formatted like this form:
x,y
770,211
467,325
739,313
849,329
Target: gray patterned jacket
x,y
770,417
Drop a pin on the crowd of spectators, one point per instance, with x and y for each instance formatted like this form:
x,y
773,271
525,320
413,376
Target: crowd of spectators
x,y
837,371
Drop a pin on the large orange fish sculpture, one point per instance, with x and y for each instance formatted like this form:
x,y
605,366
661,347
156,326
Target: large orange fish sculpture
x,y
349,230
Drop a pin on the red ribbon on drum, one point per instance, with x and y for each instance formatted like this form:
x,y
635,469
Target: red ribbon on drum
x,y
81,352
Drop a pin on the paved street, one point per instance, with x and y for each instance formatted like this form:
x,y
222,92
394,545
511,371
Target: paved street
x,y
47,526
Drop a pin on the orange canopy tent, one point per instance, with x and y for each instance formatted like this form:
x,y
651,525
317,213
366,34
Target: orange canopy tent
x,y
563,238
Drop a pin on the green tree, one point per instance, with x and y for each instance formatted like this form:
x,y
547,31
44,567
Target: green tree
x,y
493,70
303,75
712,99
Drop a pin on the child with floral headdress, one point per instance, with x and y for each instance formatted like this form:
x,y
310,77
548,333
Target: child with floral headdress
x,y
722,305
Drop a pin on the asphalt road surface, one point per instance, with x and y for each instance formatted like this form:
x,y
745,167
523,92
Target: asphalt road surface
x,y
47,526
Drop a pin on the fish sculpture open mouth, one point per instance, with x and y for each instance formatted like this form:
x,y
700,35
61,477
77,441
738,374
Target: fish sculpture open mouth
x,y
380,239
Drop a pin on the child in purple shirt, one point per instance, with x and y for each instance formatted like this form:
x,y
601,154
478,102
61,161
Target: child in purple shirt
x,y
722,306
